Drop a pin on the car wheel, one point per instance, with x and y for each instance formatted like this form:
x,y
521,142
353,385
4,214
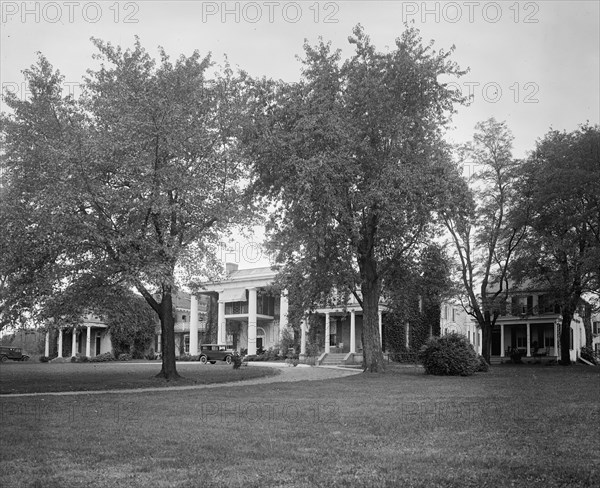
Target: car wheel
x,y
228,359
3,359
213,362
203,359
25,358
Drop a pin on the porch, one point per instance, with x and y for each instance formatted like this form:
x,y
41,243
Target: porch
x,y
531,341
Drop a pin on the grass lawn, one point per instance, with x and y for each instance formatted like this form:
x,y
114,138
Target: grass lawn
x,y
527,426
30,377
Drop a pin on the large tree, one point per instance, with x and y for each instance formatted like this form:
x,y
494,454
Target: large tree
x,y
352,158
560,184
137,177
478,221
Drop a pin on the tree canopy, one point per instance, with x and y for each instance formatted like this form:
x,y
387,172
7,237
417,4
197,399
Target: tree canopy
x,y
479,222
352,159
560,184
126,185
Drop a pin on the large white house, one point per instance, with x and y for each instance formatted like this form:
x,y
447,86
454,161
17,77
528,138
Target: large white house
x,y
252,315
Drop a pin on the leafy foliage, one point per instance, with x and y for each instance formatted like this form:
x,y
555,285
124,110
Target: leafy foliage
x,y
559,186
451,355
131,324
127,184
352,159
479,220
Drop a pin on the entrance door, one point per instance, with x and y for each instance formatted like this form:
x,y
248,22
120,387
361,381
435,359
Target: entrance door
x,y
496,343
259,343
97,345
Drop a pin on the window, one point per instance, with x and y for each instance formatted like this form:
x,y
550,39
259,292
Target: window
x,y
236,308
548,341
186,343
453,315
521,341
596,328
445,312
183,318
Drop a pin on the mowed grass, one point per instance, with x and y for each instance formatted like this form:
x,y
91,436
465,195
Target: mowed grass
x,y
530,426
32,377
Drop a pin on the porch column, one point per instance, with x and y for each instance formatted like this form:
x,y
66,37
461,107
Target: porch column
x,y
74,343
283,312
555,338
194,326
303,337
47,344
380,330
251,321
528,339
88,340
60,339
352,331
502,340
327,331
221,329
407,335
159,345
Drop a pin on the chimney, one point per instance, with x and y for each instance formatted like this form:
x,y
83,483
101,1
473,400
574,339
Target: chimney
x,y
231,267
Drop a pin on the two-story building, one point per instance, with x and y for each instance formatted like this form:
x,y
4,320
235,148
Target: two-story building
x,y
530,323
253,315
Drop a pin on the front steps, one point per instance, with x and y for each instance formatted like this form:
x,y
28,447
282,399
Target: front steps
x,y
339,359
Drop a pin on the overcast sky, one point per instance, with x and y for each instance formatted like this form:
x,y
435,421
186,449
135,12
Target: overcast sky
x,y
534,64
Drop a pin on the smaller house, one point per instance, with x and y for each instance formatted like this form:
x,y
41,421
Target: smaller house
x,y
90,338
530,323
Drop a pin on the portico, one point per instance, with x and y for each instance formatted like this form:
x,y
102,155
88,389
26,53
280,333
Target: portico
x,y
250,312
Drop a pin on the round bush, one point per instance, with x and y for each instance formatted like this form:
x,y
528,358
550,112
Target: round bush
x,y
451,355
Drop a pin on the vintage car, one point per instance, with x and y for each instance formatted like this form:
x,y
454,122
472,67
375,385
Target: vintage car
x,y
211,353
14,353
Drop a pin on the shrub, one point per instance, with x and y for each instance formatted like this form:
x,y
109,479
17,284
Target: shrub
x,y
101,358
451,354
125,357
236,360
44,359
587,353
515,356
483,366
151,356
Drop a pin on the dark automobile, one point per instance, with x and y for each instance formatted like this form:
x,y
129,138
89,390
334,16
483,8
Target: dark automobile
x,y
14,353
211,353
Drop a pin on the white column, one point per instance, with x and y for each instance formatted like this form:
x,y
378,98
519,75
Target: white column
x,y
159,345
88,340
221,328
555,338
501,340
251,321
193,325
327,333
407,335
352,331
74,343
283,312
528,339
303,337
380,330
47,345
60,339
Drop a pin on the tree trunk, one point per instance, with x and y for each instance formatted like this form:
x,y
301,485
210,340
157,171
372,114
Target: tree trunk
x,y
486,338
167,325
565,338
372,355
